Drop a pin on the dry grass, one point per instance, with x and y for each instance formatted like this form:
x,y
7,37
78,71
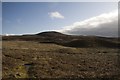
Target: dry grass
x,y
27,59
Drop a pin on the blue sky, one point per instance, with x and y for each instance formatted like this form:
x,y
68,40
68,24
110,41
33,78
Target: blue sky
x,y
60,0
0,18
34,17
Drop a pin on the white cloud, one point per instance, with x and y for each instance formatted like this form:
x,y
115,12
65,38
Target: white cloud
x,y
103,25
9,34
56,15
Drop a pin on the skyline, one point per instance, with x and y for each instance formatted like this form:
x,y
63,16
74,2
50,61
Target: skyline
x,y
35,17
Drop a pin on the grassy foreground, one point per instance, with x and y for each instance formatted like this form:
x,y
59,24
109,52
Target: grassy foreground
x,y
29,59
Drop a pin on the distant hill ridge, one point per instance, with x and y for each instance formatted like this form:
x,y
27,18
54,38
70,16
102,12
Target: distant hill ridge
x,y
68,40
51,33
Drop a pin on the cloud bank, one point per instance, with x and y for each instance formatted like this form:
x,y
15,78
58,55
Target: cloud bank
x,y
103,25
9,34
56,15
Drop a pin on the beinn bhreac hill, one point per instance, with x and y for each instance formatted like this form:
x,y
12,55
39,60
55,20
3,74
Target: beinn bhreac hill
x,y
56,55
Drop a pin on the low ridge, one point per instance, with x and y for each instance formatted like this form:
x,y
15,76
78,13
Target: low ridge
x,y
68,40
50,34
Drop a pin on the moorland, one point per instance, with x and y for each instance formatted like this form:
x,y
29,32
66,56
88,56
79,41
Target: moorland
x,y
55,55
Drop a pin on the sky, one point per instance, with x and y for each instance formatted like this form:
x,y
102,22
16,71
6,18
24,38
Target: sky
x,y
0,18
77,18
60,0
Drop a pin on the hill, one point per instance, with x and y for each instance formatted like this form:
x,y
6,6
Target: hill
x,y
51,34
67,40
56,55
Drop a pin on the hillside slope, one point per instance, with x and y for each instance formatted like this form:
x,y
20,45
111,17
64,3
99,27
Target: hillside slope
x,y
68,40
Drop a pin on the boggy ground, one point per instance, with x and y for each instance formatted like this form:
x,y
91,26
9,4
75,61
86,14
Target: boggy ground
x,y
29,59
